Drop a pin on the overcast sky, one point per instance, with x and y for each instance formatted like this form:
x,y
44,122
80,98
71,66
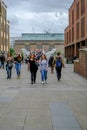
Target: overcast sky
x,y
32,16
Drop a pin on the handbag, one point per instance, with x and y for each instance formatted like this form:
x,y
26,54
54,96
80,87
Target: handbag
x,y
10,64
36,65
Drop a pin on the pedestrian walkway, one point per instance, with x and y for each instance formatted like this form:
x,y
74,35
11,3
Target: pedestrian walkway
x,y
43,106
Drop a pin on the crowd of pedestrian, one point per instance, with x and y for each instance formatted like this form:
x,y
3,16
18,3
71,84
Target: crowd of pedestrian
x,y
33,65
9,61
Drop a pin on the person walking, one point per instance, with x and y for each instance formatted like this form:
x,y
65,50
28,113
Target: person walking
x,y
43,68
33,67
17,61
9,65
58,65
51,63
2,61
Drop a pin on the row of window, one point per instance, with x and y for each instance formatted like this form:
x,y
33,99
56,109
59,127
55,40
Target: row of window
x,y
70,35
77,30
80,10
4,48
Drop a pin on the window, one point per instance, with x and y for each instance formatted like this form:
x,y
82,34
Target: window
x,y
82,7
77,11
69,36
39,46
0,7
82,27
73,34
51,47
27,47
77,31
72,17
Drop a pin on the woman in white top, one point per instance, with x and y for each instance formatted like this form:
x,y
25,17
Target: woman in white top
x,y
43,68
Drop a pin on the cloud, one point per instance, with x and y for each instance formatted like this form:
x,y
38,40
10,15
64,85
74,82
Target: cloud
x,y
37,15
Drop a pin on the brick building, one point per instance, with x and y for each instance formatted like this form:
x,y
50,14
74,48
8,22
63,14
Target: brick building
x,y
76,32
44,41
4,28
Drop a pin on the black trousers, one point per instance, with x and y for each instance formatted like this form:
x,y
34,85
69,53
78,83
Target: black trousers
x,y
58,71
33,76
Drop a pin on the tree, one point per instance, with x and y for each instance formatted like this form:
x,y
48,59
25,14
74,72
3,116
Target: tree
x,y
12,51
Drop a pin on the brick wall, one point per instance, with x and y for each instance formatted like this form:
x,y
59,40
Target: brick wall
x,y
76,32
81,65
76,66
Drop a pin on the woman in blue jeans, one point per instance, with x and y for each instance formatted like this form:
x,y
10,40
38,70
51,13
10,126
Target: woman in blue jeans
x,y
43,68
9,65
17,61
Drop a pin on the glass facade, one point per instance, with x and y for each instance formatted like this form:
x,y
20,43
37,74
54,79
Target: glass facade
x,y
42,36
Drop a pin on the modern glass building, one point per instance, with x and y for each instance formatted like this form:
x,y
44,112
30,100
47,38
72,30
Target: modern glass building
x,y
43,36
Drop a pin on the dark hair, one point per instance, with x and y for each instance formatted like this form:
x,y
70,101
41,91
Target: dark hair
x,y
58,53
31,55
44,56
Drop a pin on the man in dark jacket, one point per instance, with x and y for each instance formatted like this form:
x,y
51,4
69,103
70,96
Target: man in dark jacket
x,y
2,60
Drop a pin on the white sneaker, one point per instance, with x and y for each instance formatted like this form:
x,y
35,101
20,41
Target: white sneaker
x,y
42,82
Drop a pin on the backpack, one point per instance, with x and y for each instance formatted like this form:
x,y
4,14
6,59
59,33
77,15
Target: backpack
x,y
58,64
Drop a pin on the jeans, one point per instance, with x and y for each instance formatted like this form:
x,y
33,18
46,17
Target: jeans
x,y
18,68
2,65
43,75
9,72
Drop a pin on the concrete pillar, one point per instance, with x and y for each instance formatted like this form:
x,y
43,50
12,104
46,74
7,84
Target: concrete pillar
x,y
74,49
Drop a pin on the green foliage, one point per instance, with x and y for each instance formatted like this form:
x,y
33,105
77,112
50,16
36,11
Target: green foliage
x,y
12,51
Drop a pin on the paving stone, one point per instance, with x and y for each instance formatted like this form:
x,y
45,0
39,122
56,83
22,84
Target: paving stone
x,y
32,107
63,117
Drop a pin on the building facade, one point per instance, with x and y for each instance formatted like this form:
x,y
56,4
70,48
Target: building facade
x,y
4,28
76,32
44,41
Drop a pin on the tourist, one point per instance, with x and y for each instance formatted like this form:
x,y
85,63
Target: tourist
x,y
9,65
2,60
17,61
51,63
33,67
43,68
58,65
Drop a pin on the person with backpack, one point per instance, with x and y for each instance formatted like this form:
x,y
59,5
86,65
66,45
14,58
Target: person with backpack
x,y
58,65
51,63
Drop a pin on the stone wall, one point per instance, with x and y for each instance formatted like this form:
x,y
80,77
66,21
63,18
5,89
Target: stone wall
x,y
80,66
33,45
